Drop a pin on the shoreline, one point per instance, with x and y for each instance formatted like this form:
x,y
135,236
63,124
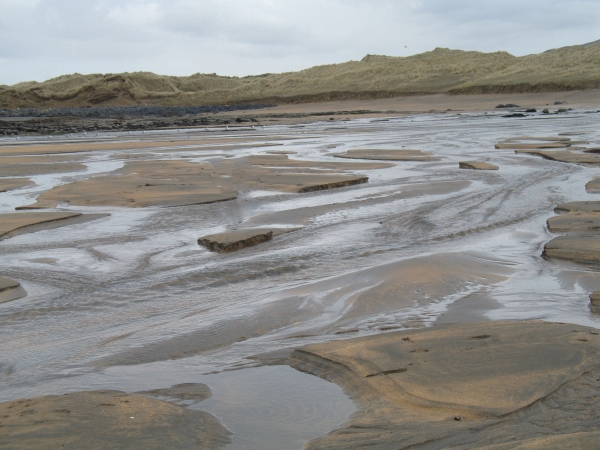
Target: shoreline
x,y
299,113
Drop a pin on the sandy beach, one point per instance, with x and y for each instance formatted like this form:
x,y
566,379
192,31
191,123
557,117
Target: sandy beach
x,y
415,273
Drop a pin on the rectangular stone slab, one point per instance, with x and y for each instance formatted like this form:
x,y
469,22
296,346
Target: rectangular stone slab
x,y
575,222
236,240
584,249
476,165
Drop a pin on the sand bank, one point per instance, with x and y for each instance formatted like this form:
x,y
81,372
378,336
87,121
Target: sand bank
x,y
106,419
565,156
178,183
476,165
387,155
13,224
467,385
10,290
20,170
123,144
8,184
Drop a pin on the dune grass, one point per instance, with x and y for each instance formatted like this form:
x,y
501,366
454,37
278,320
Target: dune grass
x,y
440,70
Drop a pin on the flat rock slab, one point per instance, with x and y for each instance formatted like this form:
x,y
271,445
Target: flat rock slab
x,y
10,290
14,221
387,155
106,419
530,146
476,165
575,222
565,156
589,206
593,186
9,184
423,385
237,240
595,298
585,249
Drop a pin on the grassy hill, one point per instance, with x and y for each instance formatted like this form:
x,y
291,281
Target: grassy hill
x,y
440,70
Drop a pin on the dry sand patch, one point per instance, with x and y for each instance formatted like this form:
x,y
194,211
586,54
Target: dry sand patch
x,y
419,386
106,419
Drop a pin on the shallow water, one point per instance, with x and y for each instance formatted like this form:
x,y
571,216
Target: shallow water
x,y
132,302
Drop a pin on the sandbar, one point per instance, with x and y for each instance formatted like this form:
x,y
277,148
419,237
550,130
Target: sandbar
x,y
106,419
9,184
472,384
28,169
387,155
179,183
10,290
565,156
13,224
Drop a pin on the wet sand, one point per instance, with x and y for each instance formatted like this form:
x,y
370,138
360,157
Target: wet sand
x,y
13,224
180,183
131,303
462,386
106,419
10,290
8,184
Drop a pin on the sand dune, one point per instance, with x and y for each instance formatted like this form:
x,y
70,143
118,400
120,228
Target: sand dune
x,y
437,71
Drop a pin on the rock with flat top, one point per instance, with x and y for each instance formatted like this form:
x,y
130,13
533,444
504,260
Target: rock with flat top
x,y
476,165
10,290
588,206
476,385
237,240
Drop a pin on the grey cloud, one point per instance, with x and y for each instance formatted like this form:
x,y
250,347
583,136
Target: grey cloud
x,y
44,38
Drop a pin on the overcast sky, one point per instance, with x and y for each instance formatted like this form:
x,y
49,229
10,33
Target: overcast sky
x,y
40,39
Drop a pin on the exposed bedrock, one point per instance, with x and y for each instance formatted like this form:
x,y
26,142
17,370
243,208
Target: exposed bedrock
x,y
239,239
583,249
476,165
575,222
476,385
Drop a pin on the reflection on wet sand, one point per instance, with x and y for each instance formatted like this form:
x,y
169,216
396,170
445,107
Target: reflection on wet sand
x,y
132,303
